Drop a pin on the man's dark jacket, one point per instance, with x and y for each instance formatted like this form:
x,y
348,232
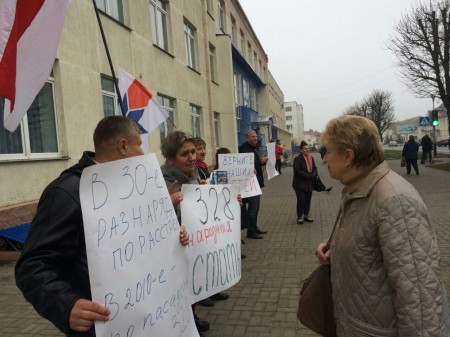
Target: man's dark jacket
x,y
427,144
410,150
52,271
248,148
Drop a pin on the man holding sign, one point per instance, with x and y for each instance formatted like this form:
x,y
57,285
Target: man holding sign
x,y
250,208
52,272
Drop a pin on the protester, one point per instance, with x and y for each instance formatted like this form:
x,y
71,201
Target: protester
x,y
305,171
427,147
411,154
250,207
385,272
278,155
52,271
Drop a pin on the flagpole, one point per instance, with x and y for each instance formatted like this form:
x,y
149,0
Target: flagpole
x,y
109,58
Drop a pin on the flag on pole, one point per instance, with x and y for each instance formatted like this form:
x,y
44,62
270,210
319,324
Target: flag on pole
x,y
29,37
140,105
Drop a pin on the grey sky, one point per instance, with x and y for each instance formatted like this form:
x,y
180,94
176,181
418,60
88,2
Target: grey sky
x,y
330,54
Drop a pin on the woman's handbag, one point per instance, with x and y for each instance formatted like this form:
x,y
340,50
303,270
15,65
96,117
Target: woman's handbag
x,y
315,306
318,185
403,162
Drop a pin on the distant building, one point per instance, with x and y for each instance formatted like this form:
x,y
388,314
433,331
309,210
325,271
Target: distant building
x,y
312,137
294,120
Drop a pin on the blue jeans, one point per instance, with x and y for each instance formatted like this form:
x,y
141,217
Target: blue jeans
x,y
249,213
303,203
425,155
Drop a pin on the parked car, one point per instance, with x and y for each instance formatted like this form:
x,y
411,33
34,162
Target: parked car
x,y
392,143
442,142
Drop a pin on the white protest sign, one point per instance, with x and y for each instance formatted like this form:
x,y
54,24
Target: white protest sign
x,y
241,171
137,265
212,216
270,165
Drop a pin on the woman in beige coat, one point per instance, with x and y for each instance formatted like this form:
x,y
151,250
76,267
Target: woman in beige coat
x,y
385,271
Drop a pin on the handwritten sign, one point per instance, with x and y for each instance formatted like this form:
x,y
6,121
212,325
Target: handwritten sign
x,y
241,171
212,216
137,266
270,165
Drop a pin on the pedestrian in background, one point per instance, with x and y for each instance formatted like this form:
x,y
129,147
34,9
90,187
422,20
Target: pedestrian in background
x,y
411,154
384,257
427,147
278,155
305,171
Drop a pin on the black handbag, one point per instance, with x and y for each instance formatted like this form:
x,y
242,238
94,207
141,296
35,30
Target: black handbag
x,y
318,185
315,306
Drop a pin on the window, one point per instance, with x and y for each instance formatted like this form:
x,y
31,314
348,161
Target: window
x,y
189,34
288,108
109,96
249,54
36,136
288,118
246,93
212,62
237,89
242,43
259,69
113,8
233,31
195,121
222,21
158,18
253,102
289,127
255,61
217,129
209,6
168,105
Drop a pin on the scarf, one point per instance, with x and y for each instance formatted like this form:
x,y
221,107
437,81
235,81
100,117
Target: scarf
x,y
309,165
201,164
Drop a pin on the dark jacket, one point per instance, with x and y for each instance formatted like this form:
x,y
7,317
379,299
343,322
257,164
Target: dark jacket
x,y
410,150
52,271
427,144
247,148
302,179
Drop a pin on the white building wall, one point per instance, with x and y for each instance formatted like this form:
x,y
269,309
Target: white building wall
x,y
294,120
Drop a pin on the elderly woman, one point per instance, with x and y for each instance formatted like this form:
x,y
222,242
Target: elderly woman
x,y
384,257
305,171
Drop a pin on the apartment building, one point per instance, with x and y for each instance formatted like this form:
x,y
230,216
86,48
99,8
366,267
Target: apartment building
x,y
294,120
200,58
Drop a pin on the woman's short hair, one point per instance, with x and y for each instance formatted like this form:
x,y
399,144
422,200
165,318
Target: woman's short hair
x,y
173,141
199,142
112,128
303,144
358,134
220,150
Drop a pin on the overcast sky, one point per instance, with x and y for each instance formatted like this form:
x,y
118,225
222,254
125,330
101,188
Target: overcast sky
x,y
329,54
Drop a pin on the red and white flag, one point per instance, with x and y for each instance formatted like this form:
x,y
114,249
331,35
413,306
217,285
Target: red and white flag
x,y
29,37
141,106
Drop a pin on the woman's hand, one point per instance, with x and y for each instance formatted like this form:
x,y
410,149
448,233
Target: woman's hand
x,y
176,197
323,253
184,237
84,313
239,198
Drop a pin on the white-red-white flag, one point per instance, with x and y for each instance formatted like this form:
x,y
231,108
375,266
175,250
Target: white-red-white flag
x,y
141,106
29,37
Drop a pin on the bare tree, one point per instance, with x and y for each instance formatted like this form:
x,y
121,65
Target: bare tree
x,y
378,107
422,46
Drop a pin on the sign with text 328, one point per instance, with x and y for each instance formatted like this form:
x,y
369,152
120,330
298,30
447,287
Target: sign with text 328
x,y
137,265
212,216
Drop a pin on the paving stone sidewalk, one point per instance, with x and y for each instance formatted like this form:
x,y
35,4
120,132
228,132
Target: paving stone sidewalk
x,y
264,302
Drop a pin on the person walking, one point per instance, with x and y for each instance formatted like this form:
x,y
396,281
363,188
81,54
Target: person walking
x,y
250,207
411,154
278,155
305,171
386,276
427,147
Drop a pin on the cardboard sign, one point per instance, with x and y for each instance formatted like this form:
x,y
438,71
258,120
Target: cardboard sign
x,y
270,165
212,216
137,265
240,168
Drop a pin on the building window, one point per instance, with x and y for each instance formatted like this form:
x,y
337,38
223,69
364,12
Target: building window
x,y
209,7
288,118
189,34
288,109
113,8
109,96
246,93
222,20
212,62
217,129
289,127
249,54
242,43
195,121
259,68
255,61
36,136
237,89
253,102
233,31
168,105
238,118
159,20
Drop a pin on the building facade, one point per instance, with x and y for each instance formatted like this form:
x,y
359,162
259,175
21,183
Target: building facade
x,y
294,121
200,58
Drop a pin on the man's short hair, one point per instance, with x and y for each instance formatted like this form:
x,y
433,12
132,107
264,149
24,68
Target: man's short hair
x,y
112,128
247,134
199,141
173,141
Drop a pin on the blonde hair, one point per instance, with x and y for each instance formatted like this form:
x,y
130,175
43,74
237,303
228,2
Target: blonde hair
x,y
358,134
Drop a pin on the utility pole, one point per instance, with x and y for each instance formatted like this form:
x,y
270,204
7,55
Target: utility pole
x,y
434,129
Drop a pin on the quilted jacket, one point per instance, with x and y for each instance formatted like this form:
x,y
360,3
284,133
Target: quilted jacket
x,y
385,269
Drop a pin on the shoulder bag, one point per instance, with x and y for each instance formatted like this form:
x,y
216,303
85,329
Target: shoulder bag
x,y
315,306
318,185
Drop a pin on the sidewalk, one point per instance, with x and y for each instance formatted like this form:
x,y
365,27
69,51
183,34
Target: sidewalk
x,y
264,302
